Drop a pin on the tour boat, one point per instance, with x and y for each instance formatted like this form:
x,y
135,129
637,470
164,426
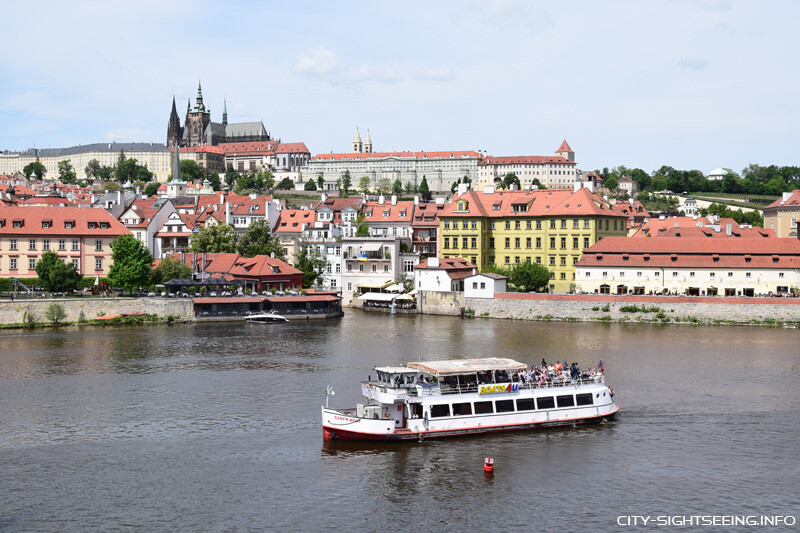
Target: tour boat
x,y
465,397
267,317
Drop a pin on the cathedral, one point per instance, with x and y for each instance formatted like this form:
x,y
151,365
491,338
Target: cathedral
x,y
198,130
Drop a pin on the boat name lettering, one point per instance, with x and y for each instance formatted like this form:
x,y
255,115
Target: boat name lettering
x,y
346,419
490,389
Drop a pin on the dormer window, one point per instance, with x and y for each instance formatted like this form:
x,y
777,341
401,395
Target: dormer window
x,y
69,224
46,224
104,225
19,223
276,270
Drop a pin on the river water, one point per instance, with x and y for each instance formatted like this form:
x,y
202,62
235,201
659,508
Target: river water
x,y
217,427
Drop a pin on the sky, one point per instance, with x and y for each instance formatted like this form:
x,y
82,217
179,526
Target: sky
x,y
694,84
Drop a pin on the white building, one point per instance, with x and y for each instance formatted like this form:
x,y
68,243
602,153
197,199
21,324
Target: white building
x,y
485,285
554,172
442,275
368,262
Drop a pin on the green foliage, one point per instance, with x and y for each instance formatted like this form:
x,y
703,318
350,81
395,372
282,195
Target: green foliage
x,y
218,238
363,184
423,186
132,263
191,171
741,217
347,182
111,186
106,173
126,169
508,180
55,313
257,239
55,275
612,183
214,180
151,188
255,182
34,167
496,269
285,184
169,269
29,319
529,276
320,182
310,186
362,228
643,309
231,177
92,169
606,308
66,174
81,317
312,264
384,186
397,187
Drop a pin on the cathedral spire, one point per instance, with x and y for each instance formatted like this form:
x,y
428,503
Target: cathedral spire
x,y
174,126
224,111
198,106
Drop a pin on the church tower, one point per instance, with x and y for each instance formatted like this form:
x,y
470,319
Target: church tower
x,y
174,127
358,146
197,121
224,111
368,144
566,152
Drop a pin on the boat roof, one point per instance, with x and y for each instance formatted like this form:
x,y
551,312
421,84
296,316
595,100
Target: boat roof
x,y
396,369
467,366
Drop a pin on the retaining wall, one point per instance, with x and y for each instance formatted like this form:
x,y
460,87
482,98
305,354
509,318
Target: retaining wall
x,y
13,312
575,307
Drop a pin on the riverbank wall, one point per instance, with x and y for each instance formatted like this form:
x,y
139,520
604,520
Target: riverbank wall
x,y
35,310
610,308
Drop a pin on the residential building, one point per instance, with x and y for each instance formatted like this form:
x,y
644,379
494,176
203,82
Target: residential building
x,y
554,172
721,173
548,227
144,219
265,272
699,266
485,285
290,227
628,186
389,217
81,236
445,275
368,262
425,228
325,238
655,227
339,211
690,207
781,215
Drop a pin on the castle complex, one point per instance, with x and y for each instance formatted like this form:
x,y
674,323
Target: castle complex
x,y
199,130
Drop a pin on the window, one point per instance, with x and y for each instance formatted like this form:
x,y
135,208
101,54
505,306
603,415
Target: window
x,y
516,242
75,245
730,274
76,263
474,242
538,242
713,274
349,267
483,408
563,224
517,225
13,263
527,242
780,274
563,275
552,261
12,244
45,244
674,274
508,224
504,406
584,399
576,224
464,242
386,268
657,274
446,224
31,263
374,268
563,261
545,403
552,224
507,260
491,242
638,274
491,225
349,286
440,410
747,275
563,243
462,409
567,400
465,224
98,245
528,224
483,284
31,244
361,268
508,242
62,245
586,242
587,224
98,263
525,404
446,242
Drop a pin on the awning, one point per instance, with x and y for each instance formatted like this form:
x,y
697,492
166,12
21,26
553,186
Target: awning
x,y
414,292
374,284
378,296
405,297
372,246
468,366
396,287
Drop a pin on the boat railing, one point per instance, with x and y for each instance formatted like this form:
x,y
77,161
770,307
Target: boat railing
x,y
553,383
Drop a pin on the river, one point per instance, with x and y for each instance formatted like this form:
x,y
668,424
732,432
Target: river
x,y
216,427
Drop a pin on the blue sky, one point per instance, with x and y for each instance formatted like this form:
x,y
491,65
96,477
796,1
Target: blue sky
x,y
694,84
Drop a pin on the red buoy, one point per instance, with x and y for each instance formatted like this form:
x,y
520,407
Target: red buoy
x,y
488,465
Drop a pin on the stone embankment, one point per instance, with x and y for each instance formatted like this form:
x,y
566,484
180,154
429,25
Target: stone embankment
x,y
609,308
17,311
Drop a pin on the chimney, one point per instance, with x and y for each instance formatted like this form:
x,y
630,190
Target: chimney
x,y
728,230
119,197
416,200
433,262
613,201
462,188
394,199
381,199
221,198
324,197
786,197
677,224
228,217
661,217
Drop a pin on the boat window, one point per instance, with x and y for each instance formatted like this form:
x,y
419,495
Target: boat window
x,y
504,406
525,404
568,400
545,403
482,408
461,409
583,399
440,410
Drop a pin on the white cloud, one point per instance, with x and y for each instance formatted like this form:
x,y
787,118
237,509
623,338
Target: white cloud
x,y
320,60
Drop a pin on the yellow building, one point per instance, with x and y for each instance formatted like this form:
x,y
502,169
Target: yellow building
x,y
549,227
781,215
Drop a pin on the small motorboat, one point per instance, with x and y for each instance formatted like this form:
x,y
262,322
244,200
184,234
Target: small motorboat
x,y
267,317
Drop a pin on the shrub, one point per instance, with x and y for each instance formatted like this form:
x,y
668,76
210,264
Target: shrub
x,y
82,317
55,314
607,308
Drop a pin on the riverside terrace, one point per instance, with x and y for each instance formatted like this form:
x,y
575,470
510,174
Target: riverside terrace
x,y
316,305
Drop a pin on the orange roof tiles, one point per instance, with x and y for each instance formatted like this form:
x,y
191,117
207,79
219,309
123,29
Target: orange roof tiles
x,y
564,147
375,212
292,148
59,221
536,203
525,160
292,220
656,226
792,201
351,156
257,147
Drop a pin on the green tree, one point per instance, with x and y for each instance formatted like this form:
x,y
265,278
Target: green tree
x,y
191,171
111,186
508,180
132,264
44,266
362,228
397,187
34,167
257,239
143,174
529,276
218,238
347,182
216,184
286,184
66,174
55,313
363,184
320,182
151,188
231,177
311,185
55,275
384,186
612,183
312,263
423,186
92,169
106,173
169,269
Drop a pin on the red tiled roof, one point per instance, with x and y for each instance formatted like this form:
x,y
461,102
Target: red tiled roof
x,y
292,148
32,219
453,263
339,204
292,220
793,201
564,147
525,160
375,213
257,147
736,232
237,266
656,226
536,203
46,200
410,155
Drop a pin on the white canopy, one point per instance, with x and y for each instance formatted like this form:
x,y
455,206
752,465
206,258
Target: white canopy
x,y
378,296
396,287
372,246
467,366
374,284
